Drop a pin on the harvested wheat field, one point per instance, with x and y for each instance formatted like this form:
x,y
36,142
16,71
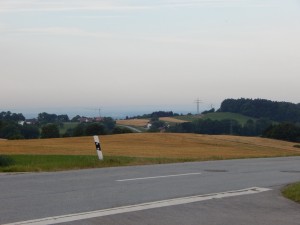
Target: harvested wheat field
x,y
133,122
157,145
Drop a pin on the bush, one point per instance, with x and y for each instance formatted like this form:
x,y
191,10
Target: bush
x,y
121,130
6,161
50,131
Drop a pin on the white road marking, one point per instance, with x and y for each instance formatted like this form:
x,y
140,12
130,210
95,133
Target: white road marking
x,y
139,207
156,177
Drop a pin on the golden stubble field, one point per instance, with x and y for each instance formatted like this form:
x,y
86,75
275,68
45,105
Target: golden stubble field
x,y
157,145
133,122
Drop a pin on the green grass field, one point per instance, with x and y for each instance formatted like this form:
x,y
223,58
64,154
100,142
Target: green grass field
x,y
217,116
227,115
68,125
187,118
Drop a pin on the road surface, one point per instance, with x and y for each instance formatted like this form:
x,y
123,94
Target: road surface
x,y
215,192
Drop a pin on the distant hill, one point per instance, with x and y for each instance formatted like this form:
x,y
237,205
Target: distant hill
x,y
262,108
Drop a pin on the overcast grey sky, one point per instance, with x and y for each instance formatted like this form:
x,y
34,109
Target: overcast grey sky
x,y
142,53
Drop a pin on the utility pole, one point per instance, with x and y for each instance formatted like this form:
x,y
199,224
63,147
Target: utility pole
x,y
99,112
198,101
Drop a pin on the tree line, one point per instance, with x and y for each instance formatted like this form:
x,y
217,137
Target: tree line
x,y
156,114
262,108
49,125
11,129
225,126
260,127
286,116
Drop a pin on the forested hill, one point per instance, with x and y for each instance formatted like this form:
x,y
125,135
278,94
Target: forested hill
x,y
262,108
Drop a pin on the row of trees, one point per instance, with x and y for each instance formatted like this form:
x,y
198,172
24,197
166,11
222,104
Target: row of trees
x,y
226,126
284,131
11,129
106,126
261,108
50,126
11,117
156,114
44,118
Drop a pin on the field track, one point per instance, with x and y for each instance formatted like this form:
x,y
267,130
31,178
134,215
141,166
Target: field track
x,y
161,145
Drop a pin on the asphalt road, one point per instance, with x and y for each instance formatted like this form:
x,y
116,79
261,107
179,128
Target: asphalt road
x,y
39,195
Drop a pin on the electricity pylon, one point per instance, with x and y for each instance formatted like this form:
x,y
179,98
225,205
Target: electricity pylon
x,y
198,101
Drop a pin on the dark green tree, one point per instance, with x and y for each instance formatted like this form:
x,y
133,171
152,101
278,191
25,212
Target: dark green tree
x,y
249,128
8,116
284,131
75,118
157,125
30,131
79,130
46,118
11,131
95,129
109,123
63,118
50,131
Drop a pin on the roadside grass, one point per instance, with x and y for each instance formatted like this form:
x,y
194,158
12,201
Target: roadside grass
x,y
6,160
292,192
37,163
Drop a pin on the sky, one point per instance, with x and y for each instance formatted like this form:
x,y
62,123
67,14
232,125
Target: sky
x,y
122,56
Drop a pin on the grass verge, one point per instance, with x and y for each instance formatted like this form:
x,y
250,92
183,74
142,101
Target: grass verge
x,y
38,163
292,192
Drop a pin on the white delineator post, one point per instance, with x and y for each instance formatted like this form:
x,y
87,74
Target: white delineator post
x,y
98,147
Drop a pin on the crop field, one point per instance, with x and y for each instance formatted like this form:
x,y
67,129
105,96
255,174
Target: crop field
x,y
156,145
133,122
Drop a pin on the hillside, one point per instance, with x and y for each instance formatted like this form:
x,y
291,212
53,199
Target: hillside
x,y
217,116
263,108
227,115
157,145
